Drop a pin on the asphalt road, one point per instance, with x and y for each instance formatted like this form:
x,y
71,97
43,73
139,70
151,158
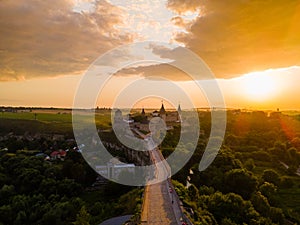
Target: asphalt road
x,y
116,220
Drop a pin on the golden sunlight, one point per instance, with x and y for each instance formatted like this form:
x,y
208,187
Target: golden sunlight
x,y
259,86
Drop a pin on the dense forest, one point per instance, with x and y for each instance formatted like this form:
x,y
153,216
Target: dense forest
x,y
37,187
37,192
254,178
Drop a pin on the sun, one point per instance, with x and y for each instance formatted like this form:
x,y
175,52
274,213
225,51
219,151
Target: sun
x,y
259,86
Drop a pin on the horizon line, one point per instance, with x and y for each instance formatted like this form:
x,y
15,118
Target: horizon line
x,y
140,108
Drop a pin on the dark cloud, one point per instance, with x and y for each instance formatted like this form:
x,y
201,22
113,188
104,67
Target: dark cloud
x,y
236,37
47,38
176,64
155,72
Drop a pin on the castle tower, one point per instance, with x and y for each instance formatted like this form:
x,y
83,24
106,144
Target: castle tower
x,y
162,112
144,117
179,109
179,113
162,109
118,116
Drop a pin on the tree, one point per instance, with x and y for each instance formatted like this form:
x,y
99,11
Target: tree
x,y
6,192
204,190
214,174
280,150
29,180
227,221
180,190
51,217
48,186
20,202
249,164
193,192
6,214
276,215
21,218
97,209
296,142
286,182
69,188
271,176
261,204
205,218
269,190
294,156
3,179
232,140
83,217
231,206
241,182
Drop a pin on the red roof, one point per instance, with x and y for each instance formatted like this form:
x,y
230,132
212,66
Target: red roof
x,y
55,153
63,153
60,152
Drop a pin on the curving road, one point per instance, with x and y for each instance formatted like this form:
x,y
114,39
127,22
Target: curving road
x,y
117,220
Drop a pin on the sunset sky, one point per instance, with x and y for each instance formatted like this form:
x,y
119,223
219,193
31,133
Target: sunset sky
x,y
251,47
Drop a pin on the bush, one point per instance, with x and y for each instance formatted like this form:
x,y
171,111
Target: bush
x,y
241,182
249,164
261,156
286,182
269,190
231,206
261,203
271,176
276,215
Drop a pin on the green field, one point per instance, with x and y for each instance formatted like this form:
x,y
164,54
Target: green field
x,y
55,118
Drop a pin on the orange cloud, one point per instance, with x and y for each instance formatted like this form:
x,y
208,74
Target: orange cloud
x,y
180,6
238,37
179,21
48,38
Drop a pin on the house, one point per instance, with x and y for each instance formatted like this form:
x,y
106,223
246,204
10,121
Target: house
x,y
61,154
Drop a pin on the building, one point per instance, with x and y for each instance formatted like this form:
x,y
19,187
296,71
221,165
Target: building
x,y
172,116
118,116
162,112
114,168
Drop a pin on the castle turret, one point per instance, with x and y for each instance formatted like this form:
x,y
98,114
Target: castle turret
x,y
162,112
143,112
179,109
179,113
162,109
118,116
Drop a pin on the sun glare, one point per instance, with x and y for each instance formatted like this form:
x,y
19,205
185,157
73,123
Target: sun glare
x,y
259,86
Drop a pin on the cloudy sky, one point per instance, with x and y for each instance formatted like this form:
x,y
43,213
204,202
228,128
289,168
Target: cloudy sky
x,y
251,47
